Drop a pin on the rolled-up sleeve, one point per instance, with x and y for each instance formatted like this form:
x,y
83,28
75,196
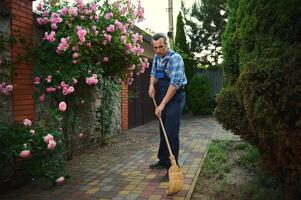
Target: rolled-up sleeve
x,y
177,71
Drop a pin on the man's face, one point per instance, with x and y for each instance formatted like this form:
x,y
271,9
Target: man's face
x,y
159,47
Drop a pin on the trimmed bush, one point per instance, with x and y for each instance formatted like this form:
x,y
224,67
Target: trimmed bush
x,y
263,104
231,114
199,95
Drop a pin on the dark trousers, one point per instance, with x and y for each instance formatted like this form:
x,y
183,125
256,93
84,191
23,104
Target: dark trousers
x,y
171,117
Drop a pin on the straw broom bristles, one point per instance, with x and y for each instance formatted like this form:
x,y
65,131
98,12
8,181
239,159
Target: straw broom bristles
x,y
175,176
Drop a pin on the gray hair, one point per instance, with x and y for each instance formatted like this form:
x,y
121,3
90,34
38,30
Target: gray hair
x,y
157,36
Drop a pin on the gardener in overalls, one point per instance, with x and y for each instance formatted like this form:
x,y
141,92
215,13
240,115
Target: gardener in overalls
x,y
169,75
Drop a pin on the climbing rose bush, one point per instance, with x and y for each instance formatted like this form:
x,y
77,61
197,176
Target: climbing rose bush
x,y
5,88
86,41
33,149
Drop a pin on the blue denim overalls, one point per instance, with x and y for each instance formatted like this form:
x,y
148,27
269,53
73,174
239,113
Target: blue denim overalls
x,y
171,115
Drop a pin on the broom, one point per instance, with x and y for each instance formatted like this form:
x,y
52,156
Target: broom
x,y
174,172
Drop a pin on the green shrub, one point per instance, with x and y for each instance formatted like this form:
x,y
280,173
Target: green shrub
x,y
44,159
199,89
230,113
267,94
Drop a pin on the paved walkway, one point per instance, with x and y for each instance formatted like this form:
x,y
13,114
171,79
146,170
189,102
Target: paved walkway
x,y
120,170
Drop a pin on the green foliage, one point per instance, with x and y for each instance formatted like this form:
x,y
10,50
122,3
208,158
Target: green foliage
x,y
230,113
230,45
91,48
180,39
42,162
215,162
109,93
199,89
206,21
182,47
250,157
262,38
86,47
226,159
12,138
266,187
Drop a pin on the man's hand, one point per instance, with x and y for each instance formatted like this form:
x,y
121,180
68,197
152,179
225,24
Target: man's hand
x,y
159,109
151,91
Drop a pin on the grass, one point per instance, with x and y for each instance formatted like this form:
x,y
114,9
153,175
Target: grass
x,y
230,171
216,164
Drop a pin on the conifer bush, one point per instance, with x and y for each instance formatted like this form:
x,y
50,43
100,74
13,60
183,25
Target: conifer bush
x,y
263,102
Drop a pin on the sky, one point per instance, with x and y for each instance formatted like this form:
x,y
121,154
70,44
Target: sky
x,y
156,15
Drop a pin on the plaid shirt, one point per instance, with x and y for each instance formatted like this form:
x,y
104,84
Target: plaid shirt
x,y
174,69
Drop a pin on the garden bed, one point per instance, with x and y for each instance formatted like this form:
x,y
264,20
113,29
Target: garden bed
x,y
231,170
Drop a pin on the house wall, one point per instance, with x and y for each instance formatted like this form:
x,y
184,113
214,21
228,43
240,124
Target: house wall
x,y
124,108
21,24
5,69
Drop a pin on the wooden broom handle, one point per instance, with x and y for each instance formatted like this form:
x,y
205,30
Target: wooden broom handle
x,y
164,132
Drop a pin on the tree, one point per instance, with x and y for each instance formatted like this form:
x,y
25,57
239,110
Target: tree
x,y
182,46
206,21
262,104
180,39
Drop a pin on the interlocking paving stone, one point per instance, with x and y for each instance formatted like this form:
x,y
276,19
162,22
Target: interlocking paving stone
x,y
121,169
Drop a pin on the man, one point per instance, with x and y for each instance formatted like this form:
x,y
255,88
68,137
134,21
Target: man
x,y
168,75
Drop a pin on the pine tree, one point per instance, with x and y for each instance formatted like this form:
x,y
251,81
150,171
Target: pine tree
x,y
180,39
182,47
206,21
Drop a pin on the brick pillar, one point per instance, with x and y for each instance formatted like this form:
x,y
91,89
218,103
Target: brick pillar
x,y
124,107
22,24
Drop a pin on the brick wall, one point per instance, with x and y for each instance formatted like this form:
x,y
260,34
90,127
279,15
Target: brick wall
x,y
5,70
124,107
21,24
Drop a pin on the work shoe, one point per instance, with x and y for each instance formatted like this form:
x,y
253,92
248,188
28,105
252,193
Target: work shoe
x,y
165,178
157,165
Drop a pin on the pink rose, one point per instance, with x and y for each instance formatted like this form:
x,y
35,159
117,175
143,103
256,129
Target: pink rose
x,y
62,106
123,39
111,28
9,87
105,59
92,80
51,145
37,80
48,78
108,15
75,55
24,154
50,37
32,131
42,97
27,122
50,89
74,80
48,138
60,180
